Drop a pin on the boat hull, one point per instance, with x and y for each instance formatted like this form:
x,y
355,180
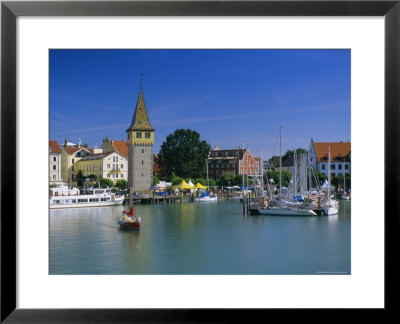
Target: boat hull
x,y
286,212
330,210
89,204
130,225
213,199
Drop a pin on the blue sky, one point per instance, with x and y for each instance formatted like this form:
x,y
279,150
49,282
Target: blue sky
x,y
231,97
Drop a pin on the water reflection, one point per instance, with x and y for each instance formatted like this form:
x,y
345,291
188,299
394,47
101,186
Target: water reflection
x,y
192,238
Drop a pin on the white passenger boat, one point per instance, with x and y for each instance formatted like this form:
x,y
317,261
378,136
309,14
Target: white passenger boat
x,y
96,197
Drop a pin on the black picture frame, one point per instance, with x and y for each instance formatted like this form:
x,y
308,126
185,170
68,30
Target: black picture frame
x,y
10,10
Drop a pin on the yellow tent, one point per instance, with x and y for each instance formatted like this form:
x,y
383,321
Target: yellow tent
x,y
181,185
200,186
188,186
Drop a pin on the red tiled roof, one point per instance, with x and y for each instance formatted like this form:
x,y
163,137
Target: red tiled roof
x,y
339,150
121,147
54,147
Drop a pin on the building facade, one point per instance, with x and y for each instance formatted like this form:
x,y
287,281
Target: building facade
x,y
238,161
140,140
340,157
54,163
69,158
110,165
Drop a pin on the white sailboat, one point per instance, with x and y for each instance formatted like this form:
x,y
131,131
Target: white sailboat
x,y
207,197
331,205
344,196
282,207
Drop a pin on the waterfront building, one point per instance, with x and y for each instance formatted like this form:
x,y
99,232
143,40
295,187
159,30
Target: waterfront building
x,y
70,155
108,165
238,161
110,145
140,140
340,157
54,163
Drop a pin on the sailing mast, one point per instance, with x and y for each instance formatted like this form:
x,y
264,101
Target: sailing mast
x,y
280,162
208,185
329,174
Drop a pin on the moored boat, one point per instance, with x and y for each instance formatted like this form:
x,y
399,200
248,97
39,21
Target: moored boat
x,y
286,211
96,197
207,198
129,221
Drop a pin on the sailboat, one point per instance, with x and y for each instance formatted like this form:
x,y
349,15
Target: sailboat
x,y
344,196
330,207
281,207
207,197
129,220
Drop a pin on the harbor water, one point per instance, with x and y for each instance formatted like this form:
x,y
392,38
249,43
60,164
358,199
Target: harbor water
x,y
198,238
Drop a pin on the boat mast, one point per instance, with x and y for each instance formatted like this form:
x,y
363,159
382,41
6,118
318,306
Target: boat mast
x,y
329,174
280,161
208,185
344,182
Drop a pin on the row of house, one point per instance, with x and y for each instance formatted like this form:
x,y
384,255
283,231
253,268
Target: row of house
x,y
340,162
111,160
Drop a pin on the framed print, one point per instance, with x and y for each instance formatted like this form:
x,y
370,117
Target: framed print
x,y
327,71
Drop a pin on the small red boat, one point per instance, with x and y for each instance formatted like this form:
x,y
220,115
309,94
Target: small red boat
x,y
129,221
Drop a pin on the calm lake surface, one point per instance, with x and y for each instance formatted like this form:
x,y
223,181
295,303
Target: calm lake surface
x,y
198,238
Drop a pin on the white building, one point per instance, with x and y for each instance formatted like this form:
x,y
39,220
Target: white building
x,y
54,163
340,157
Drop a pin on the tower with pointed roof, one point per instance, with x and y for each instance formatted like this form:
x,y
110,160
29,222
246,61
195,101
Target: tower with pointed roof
x,y
140,139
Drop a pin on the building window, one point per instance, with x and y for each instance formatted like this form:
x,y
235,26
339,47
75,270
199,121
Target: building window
x,y
108,166
116,175
72,169
122,175
122,166
340,167
322,166
116,159
333,167
142,174
73,161
54,177
138,135
54,159
147,135
346,166
54,167
142,151
142,162
108,175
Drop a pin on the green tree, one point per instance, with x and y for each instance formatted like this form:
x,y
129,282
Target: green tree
x,y
79,178
286,176
184,154
104,183
289,153
202,181
176,180
155,180
121,184
320,177
226,179
92,177
212,182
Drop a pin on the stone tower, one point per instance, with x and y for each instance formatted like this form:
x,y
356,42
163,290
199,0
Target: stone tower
x,y
140,135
